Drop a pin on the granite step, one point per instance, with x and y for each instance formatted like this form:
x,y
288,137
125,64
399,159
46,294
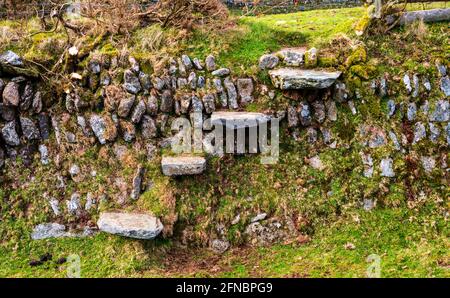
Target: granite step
x,y
296,79
183,165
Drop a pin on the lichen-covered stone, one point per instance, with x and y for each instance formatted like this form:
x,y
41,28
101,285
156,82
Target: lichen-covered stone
x,y
221,72
9,134
138,112
386,167
166,101
148,127
441,112
268,61
29,129
245,90
131,82
209,103
11,95
291,78
183,165
232,93
11,58
292,56
125,106
210,63
292,116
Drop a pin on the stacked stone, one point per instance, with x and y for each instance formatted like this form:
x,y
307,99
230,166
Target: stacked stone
x,y
146,102
314,92
23,125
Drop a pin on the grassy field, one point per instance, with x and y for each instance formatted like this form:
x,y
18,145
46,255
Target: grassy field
x,y
411,239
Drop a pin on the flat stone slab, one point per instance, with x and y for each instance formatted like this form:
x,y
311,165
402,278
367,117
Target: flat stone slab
x,y
295,79
133,225
183,165
237,120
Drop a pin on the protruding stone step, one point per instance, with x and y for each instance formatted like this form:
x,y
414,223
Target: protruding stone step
x,y
133,225
238,120
183,165
292,78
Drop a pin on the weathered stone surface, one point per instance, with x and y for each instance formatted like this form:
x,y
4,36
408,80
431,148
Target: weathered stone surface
x,y
48,230
9,134
232,93
2,158
220,246
27,97
311,57
292,56
131,82
201,82
426,84
44,127
145,81
237,120
407,83
394,140
192,80
411,111
197,64
416,85
37,104
428,163
391,108
291,78
11,58
133,225
386,167
138,112
183,165
383,88
292,116
11,95
7,113
340,92
103,128
125,106
319,111
441,112
152,105
268,61
331,110
187,62
368,165
209,103
148,127
158,83
210,63
221,72
166,101
312,134
245,90
43,150
435,132
94,66
128,130
137,183
29,129
221,94
419,132
305,114
113,97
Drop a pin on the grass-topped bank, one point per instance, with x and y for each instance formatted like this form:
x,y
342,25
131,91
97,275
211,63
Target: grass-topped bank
x,y
333,233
